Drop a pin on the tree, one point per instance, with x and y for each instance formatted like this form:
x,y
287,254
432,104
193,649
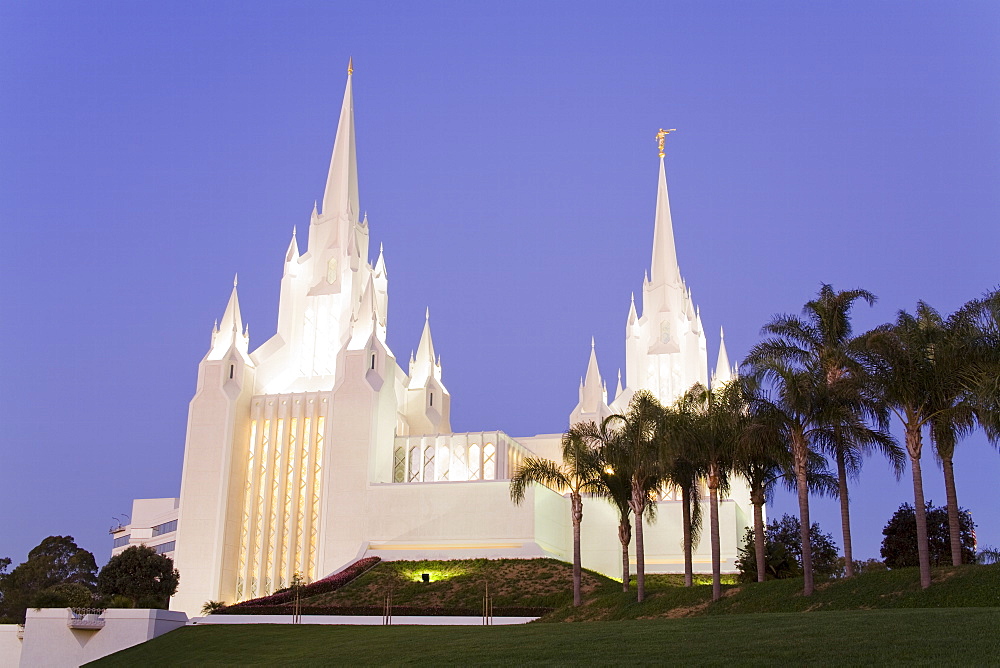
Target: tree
x,y
783,551
615,481
714,423
914,367
642,432
57,560
764,460
146,578
967,347
577,474
899,547
821,341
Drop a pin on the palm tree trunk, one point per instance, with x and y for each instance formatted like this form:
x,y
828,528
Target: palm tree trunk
x,y
637,502
913,446
577,505
845,514
758,539
688,548
801,454
625,536
713,520
954,527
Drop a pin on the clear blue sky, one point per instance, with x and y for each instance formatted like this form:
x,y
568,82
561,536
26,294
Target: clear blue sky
x,y
152,150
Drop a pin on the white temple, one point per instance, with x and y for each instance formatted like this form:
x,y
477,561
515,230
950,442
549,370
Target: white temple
x,y
319,448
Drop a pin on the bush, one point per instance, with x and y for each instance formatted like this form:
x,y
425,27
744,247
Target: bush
x,y
899,547
783,552
146,578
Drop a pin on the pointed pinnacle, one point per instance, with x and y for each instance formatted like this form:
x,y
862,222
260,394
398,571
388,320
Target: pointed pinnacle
x,y
293,231
722,333
350,66
236,279
427,314
591,343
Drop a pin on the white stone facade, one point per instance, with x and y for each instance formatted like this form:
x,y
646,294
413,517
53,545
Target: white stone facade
x,y
317,448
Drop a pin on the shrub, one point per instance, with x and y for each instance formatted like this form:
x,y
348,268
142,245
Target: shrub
x,y
783,552
899,547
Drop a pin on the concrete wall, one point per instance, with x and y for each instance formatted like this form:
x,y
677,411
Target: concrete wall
x,y
10,645
49,642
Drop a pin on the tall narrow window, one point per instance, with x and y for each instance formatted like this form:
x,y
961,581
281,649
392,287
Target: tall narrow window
x,y
373,361
232,368
432,398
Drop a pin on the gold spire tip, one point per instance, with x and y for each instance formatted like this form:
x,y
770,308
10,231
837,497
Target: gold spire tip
x,y
350,66
661,136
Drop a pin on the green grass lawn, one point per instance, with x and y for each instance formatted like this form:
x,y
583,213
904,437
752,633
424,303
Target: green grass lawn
x,y
955,636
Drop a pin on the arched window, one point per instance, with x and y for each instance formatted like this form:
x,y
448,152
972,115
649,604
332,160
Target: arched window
x,y
444,460
399,465
475,463
459,469
489,462
429,463
414,464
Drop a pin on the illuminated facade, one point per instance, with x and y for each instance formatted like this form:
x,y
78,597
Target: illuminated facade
x,y
317,448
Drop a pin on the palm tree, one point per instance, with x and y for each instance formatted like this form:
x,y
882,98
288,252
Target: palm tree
x,y
578,473
914,369
686,474
810,415
763,460
715,420
957,409
615,481
212,607
821,341
637,434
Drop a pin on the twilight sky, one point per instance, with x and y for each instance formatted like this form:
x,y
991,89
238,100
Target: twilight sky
x,y
507,162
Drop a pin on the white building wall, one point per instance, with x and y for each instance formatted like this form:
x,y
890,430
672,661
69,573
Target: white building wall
x,y
50,643
10,645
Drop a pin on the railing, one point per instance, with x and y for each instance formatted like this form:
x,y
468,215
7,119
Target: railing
x,y
86,619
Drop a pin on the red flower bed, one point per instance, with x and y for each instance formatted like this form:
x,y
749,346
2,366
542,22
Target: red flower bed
x,y
327,584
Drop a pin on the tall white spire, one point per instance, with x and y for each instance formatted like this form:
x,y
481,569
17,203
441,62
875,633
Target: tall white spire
x,y
663,268
723,371
230,331
423,365
341,195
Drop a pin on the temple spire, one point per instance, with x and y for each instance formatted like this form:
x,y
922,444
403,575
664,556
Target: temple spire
x,y
663,268
723,372
341,195
229,331
423,363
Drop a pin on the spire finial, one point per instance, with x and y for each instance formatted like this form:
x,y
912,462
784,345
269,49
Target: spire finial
x,y
350,66
236,279
591,343
293,231
661,136
722,333
427,314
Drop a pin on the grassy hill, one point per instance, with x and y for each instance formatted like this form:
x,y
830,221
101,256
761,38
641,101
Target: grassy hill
x,y
916,637
878,617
